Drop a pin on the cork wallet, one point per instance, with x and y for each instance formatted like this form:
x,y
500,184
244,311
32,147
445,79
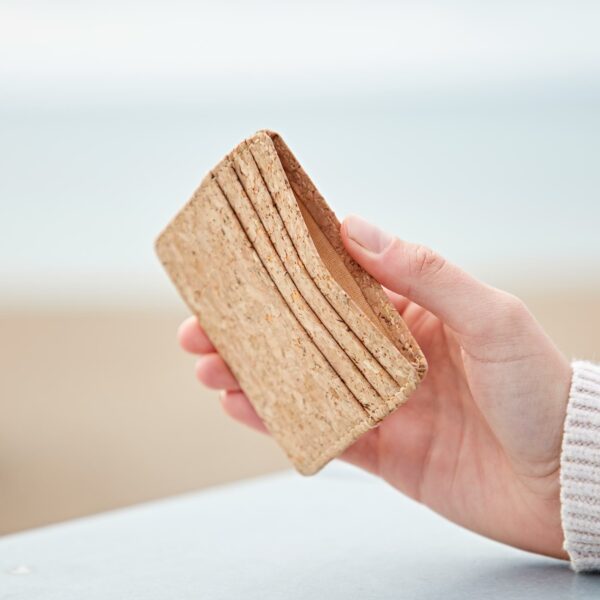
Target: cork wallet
x,y
312,338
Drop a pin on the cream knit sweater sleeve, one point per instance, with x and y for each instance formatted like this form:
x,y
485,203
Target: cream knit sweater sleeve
x,y
580,469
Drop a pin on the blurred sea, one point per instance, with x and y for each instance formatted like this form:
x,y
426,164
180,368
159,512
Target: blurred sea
x,y
508,186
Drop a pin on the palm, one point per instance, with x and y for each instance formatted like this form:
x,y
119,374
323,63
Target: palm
x,y
439,447
405,444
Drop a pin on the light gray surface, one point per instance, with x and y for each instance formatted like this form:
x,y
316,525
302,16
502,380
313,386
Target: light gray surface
x,y
338,535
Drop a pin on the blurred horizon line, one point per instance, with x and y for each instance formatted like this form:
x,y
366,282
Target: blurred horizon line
x,y
573,90
108,292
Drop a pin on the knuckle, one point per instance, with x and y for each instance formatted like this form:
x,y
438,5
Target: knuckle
x,y
500,317
423,261
506,332
508,314
513,307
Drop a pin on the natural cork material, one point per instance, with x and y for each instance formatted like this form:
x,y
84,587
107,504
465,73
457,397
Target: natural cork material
x,y
322,338
312,339
325,220
382,397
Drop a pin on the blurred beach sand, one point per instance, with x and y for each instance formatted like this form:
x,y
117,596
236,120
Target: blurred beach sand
x,y
100,408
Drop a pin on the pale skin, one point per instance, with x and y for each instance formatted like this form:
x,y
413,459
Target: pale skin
x,y
479,441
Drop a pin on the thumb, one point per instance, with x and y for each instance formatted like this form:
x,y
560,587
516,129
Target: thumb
x,y
465,304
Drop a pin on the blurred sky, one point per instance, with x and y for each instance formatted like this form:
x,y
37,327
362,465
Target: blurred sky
x,y
473,127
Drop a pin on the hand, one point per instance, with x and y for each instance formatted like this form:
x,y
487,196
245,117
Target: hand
x,y
479,441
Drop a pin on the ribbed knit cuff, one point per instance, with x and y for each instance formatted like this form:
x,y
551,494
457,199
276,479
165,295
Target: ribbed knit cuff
x,y
580,469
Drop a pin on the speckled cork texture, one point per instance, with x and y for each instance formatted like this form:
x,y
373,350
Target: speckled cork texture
x,y
327,222
301,399
339,286
300,307
387,392
312,339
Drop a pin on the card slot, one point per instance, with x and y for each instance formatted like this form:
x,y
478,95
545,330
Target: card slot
x,y
388,389
379,345
347,371
324,228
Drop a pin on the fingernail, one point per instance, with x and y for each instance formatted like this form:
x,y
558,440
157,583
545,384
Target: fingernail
x,y
366,235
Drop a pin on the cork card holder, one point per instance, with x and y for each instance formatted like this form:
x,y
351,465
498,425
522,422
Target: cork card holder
x,y
312,339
